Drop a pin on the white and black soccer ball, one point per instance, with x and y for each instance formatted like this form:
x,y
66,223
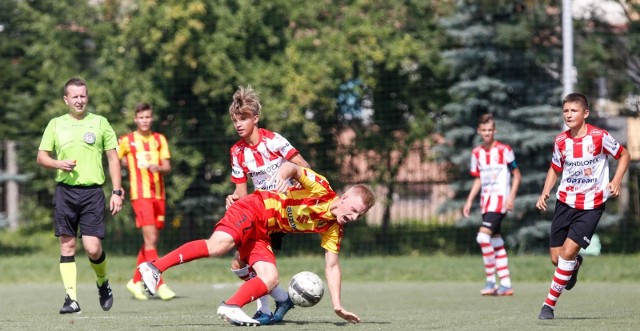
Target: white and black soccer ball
x,y
306,289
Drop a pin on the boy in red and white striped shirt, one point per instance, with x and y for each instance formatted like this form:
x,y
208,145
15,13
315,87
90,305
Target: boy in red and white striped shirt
x,y
580,154
257,156
497,178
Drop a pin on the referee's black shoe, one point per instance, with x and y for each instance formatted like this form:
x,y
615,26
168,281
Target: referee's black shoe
x,y
70,306
574,277
106,295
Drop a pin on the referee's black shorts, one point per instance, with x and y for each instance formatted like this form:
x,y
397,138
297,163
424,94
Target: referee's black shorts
x,y
79,208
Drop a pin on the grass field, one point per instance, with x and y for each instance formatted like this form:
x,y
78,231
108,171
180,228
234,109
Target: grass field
x,y
391,293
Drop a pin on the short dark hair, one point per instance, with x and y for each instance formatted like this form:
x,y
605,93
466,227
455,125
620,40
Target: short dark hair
x,y
485,118
577,97
75,82
142,106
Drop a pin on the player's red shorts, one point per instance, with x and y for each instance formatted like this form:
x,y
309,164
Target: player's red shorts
x,y
246,222
149,212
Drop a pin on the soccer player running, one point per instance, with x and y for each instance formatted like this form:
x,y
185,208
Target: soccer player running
x,y
146,154
258,155
497,178
79,139
580,154
315,208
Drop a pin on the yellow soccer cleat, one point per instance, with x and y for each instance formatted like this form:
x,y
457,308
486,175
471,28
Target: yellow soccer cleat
x,y
165,293
137,290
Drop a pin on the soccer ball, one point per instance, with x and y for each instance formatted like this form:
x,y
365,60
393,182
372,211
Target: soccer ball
x,y
306,289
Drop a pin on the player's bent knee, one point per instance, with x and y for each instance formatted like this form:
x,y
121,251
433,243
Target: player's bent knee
x,y
483,238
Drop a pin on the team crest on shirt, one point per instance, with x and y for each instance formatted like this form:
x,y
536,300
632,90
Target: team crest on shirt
x,y
591,148
90,138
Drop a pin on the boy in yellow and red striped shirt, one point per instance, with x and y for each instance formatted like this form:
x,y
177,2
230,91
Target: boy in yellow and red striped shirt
x,y
246,225
146,155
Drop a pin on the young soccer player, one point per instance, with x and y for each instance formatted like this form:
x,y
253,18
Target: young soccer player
x,y
258,155
146,154
580,154
315,208
78,140
497,178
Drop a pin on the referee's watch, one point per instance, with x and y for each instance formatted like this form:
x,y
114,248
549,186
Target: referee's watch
x,y
119,192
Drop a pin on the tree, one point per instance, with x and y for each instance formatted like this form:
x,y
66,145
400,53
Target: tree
x,y
41,45
503,56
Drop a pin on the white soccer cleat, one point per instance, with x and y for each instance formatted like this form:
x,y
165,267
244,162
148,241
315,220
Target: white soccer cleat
x,y
235,315
150,276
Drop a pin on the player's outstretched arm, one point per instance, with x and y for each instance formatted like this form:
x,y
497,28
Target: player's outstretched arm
x,y
334,282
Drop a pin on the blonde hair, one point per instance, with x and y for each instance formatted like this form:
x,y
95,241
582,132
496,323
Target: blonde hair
x,y
365,193
245,103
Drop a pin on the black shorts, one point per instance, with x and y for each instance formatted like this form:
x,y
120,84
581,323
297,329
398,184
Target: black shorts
x,y
493,222
576,224
276,240
80,207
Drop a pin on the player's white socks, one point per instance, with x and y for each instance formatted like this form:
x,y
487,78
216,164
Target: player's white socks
x,y
279,294
244,273
488,256
263,304
502,262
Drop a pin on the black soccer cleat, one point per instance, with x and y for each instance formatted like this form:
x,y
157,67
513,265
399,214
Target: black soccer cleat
x,y
574,277
70,306
546,313
106,296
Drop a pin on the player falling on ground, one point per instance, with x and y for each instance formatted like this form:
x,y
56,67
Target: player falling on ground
x,y
497,178
146,154
246,225
580,154
258,155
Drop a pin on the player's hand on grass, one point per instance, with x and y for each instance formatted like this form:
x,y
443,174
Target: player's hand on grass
x,y
542,201
347,315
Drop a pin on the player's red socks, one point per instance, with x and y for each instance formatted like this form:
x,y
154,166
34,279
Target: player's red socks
x,y
136,274
251,290
190,251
